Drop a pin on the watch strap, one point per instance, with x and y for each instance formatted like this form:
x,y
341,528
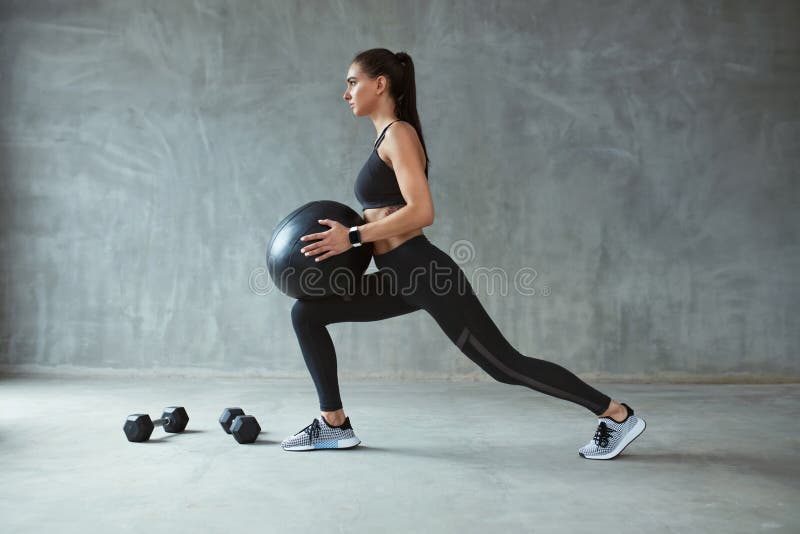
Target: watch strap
x,y
355,236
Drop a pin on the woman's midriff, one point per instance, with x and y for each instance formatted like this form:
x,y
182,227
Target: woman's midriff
x,y
383,246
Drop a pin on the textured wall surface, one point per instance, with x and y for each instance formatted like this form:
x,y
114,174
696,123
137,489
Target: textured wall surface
x,y
640,158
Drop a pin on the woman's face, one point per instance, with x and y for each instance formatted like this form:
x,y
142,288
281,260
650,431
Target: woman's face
x,y
360,91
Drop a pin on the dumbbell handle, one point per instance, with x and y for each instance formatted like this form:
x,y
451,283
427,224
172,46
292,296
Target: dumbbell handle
x,y
162,422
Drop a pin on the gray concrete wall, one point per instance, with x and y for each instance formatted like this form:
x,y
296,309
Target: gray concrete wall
x,y
640,157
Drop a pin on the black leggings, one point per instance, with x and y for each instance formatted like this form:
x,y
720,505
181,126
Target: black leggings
x,y
418,275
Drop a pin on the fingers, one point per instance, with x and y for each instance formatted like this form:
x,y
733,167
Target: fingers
x,y
311,237
321,235
325,256
313,247
326,252
313,250
321,246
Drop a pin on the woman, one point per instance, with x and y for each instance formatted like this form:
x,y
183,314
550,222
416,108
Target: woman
x,y
414,274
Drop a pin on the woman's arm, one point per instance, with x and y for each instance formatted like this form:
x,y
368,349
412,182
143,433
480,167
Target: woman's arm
x,y
401,147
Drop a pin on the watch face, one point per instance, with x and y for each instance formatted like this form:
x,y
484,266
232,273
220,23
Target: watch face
x,y
354,237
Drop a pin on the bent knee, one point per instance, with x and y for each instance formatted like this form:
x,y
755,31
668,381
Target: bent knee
x,y
302,311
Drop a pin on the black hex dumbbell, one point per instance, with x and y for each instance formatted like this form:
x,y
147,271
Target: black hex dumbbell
x,y
138,426
244,428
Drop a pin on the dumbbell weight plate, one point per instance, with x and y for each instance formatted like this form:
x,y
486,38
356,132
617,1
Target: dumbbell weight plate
x,y
138,427
178,419
245,429
227,417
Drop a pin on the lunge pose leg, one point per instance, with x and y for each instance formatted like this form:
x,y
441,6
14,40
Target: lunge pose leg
x,y
373,300
429,278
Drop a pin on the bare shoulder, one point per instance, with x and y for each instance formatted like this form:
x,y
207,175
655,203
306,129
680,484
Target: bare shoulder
x,y
403,128
403,141
402,133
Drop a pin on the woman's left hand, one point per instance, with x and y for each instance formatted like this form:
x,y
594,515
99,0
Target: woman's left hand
x,y
332,242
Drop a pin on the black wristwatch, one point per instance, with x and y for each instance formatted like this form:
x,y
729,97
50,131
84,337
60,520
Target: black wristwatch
x,y
355,237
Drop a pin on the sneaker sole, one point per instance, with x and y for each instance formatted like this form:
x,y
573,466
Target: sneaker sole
x,y
348,443
635,432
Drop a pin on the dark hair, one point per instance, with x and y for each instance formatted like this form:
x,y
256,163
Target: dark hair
x,y
399,69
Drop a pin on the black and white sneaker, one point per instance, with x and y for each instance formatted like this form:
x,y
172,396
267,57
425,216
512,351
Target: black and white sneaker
x,y
320,435
611,437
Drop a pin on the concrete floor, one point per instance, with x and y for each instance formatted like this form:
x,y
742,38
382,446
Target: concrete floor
x,y
435,457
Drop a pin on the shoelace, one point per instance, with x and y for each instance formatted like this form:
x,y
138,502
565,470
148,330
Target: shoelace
x,y
602,434
312,430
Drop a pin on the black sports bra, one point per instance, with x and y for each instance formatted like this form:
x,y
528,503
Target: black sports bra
x,y
376,184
